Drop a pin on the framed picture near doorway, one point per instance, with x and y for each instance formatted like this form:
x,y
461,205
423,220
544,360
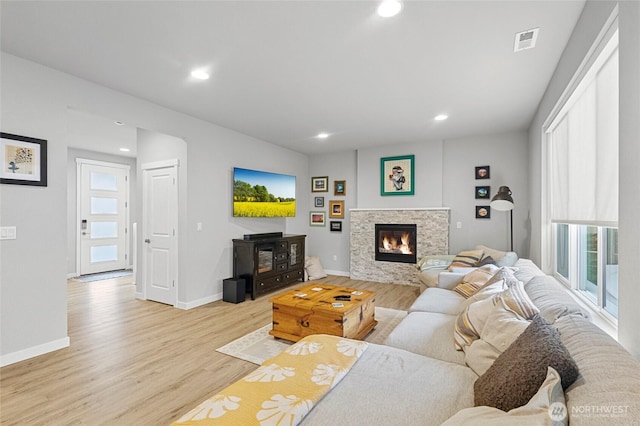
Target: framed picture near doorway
x,y
23,159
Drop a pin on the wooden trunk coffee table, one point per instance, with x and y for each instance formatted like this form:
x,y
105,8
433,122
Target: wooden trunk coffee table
x,y
323,309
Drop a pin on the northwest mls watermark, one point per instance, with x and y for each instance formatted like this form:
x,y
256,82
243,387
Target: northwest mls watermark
x,y
558,411
599,411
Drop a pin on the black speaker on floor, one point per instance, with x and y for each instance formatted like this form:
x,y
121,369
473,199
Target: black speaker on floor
x,y
233,290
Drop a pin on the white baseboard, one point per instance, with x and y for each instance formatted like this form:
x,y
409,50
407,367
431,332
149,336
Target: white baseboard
x,y
72,275
199,302
34,351
340,273
190,305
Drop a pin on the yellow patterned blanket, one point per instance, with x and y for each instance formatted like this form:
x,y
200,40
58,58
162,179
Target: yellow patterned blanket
x,y
284,388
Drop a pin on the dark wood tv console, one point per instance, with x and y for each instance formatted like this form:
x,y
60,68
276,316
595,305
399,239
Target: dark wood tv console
x,y
268,261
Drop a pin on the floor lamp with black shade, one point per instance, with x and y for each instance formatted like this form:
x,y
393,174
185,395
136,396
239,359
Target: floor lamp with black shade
x,y
503,201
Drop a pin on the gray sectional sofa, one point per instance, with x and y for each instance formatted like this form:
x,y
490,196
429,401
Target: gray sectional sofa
x,y
419,378
557,369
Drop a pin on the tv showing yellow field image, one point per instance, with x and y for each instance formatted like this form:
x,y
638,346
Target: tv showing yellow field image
x,y
263,194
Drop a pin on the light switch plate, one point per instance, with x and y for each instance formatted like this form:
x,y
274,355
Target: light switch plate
x,y
7,233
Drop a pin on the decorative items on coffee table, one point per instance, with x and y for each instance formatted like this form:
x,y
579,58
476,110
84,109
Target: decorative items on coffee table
x,y
323,309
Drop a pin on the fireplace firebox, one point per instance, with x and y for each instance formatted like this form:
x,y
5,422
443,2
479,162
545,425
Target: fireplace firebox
x,y
396,243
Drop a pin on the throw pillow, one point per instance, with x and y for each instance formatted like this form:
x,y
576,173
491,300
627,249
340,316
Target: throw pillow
x,y
429,262
487,260
518,373
468,258
535,413
488,251
485,292
501,258
472,319
313,268
503,273
516,299
470,322
501,329
474,280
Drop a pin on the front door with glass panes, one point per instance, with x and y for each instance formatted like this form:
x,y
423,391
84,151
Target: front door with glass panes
x,y
103,190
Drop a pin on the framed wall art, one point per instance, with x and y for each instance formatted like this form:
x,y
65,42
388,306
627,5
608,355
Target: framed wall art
x,y
483,192
397,175
483,212
335,226
317,218
320,184
336,209
483,172
318,202
339,187
23,159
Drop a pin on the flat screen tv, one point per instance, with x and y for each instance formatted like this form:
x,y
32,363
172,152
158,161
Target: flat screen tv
x,y
263,194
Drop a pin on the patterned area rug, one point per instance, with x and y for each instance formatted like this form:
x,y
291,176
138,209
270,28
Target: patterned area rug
x,y
259,345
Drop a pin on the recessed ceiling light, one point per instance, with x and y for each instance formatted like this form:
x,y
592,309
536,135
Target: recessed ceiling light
x,y
118,123
322,135
441,117
200,74
389,8
125,149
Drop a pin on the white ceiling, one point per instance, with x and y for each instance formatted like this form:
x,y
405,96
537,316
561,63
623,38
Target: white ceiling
x,y
283,71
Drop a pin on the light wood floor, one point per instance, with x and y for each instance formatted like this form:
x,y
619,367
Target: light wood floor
x,y
134,362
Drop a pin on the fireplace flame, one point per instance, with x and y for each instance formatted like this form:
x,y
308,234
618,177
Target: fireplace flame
x,y
405,243
391,244
385,243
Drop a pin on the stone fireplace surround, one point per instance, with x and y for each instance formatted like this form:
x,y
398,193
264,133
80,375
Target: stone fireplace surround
x,y
433,238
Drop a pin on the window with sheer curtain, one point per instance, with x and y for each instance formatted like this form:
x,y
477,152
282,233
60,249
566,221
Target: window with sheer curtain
x,y
583,183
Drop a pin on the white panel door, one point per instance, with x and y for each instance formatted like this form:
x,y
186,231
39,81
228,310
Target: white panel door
x,y
160,219
103,190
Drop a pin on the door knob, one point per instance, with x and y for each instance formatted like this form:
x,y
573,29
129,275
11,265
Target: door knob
x,y
147,240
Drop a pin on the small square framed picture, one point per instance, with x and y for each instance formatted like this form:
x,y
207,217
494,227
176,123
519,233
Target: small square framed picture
x,y
335,226
482,192
336,209
483,172
320,184
339,187
318,202
483,212
317,219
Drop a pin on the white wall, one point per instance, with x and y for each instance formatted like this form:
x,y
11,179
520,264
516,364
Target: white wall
x,y
34,103
72,193
321,241
506,154
444,178
629,225
428,176
593,17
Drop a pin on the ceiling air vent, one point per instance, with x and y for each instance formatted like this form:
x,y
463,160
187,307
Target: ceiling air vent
x,y
526,40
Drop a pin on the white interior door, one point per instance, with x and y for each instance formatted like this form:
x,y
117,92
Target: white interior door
x,y
159,231
103,198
